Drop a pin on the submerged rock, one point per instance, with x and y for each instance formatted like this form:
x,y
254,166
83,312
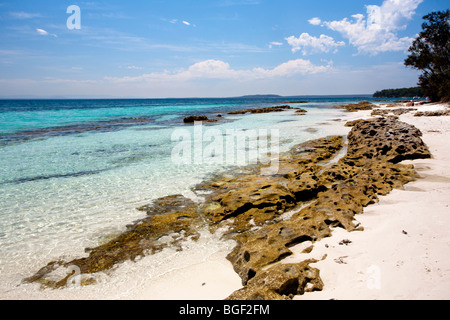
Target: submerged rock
x,y
171,220
353,107
192,119
262,110
301,111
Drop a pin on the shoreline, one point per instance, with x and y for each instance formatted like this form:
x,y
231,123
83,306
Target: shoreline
x,y
403,252
220,280
397,256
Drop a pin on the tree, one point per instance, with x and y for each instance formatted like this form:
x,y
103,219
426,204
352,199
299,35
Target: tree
x,y
430,52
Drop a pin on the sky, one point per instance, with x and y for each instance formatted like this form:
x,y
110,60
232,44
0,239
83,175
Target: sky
x,y
206,48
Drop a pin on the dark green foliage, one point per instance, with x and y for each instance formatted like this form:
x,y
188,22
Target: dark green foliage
x,y
400,93
430,52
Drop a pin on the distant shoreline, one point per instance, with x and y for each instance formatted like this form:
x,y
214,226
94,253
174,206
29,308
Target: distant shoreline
x,y
190,98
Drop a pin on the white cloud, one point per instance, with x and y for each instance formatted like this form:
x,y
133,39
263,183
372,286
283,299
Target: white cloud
x,y
133,68
378,31
24,15
217,69
310,44
42,32
275,43
290,68
315,21
175,21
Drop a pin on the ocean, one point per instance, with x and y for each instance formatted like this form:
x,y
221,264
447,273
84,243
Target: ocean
x,y
73,172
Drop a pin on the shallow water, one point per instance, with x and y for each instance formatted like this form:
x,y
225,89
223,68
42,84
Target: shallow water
x,y
63,191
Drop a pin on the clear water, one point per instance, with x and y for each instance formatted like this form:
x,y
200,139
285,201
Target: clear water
x,y
73,172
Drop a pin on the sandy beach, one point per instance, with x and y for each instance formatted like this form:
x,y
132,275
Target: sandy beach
x,y
403,251
401,254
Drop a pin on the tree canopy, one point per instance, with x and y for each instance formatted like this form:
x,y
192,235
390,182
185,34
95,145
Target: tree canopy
x,y
400,93
430,53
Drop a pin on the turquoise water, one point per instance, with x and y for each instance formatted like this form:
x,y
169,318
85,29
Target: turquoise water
x,y
73,172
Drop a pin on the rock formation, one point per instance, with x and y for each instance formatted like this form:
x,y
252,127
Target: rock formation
x,y
301,111
192,119
353,107
262,110
267,215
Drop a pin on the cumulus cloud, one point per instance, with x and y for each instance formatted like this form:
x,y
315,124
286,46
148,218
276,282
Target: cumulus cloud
x,y
378,31
217,69
315,21
310,44
292,67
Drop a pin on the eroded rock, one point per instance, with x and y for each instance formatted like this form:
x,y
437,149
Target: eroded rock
x,y
318,195
262,110
370,168
281,282
353,107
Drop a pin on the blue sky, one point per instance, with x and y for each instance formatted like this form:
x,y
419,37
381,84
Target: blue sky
x,y
207,48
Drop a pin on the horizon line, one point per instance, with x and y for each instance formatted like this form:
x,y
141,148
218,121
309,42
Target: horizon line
x,y
166,98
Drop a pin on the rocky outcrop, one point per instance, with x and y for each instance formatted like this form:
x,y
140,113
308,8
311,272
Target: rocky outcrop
x,y
251,199
281,282
396,112
370,168
311,193
301,111
385,139
262,110
192,119
353,107
438,113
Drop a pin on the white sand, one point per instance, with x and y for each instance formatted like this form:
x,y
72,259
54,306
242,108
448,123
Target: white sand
x,y
404,251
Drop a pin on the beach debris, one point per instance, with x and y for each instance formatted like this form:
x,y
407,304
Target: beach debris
x,y
345,242
404,232
341,260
